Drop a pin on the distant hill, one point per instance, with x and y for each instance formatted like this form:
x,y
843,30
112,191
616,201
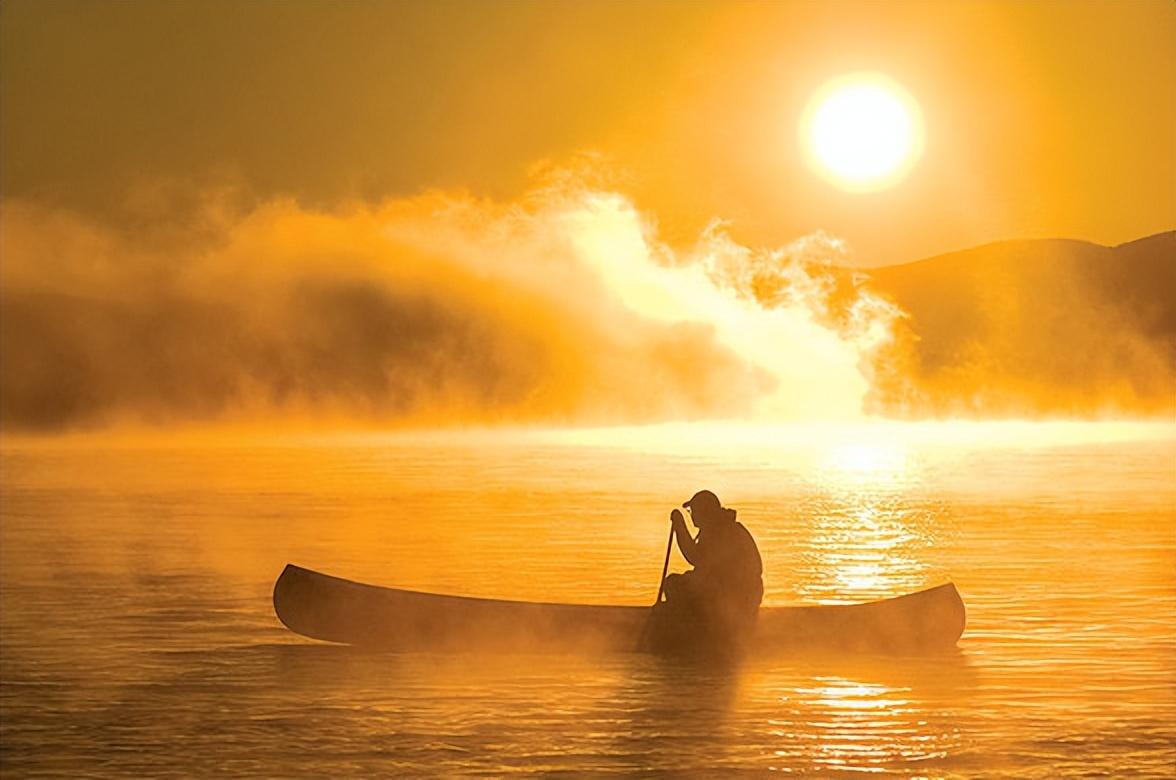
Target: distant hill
x,y
1043,327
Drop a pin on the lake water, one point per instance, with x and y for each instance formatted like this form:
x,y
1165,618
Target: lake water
x,y
137,636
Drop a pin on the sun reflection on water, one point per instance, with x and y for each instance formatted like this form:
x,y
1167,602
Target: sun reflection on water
x,y
847,725
861,547
864,537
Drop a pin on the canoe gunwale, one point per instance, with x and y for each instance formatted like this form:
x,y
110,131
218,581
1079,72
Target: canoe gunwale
x,y
470,601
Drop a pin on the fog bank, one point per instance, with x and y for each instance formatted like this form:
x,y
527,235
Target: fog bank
x,y
560,307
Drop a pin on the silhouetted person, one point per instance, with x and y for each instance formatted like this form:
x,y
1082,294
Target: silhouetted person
x,y
723,591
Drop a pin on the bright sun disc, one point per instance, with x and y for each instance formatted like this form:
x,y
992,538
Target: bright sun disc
x,y
862,131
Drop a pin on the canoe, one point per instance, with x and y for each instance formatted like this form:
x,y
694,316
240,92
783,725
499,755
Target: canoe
x,y
329,608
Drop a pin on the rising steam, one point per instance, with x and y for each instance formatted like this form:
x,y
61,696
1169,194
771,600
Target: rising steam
x,y
560,307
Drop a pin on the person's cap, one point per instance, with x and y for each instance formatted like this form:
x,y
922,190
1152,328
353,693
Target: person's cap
x,y
703,499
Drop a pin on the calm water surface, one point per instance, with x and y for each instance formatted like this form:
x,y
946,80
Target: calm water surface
x,y
137,636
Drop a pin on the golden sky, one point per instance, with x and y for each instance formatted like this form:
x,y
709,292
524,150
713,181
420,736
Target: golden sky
x,y
1041,118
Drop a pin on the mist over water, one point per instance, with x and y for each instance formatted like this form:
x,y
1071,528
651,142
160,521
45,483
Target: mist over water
x,y
562,306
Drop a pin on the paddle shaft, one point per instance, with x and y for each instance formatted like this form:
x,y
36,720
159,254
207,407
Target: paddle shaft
x,y
665,566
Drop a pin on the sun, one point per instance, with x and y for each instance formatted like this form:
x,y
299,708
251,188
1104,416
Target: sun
x,y
862,131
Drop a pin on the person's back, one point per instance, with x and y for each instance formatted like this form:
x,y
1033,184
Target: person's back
x,y
729,564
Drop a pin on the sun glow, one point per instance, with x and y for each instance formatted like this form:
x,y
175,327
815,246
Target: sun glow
x,y
862,131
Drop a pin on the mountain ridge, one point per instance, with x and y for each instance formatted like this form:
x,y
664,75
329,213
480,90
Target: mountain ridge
x,y
1035,326
1163,235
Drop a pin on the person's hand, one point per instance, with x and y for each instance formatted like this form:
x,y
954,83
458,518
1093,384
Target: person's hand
x,y
676,517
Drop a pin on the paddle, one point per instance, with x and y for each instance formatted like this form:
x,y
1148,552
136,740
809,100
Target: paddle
x,y
644,638
665,567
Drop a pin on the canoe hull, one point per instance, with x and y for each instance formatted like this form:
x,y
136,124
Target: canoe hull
x,y
337,610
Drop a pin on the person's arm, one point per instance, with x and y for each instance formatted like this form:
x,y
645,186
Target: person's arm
x,y
686,542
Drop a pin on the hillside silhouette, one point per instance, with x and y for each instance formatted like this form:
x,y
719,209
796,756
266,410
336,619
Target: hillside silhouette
x,y
1040,327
